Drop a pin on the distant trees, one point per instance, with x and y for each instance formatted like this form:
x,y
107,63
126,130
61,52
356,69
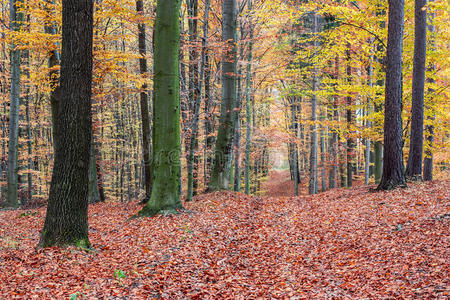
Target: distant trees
x,y
66,218
166,189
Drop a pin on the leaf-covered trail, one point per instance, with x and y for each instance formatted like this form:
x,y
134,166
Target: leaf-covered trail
x,y
342,243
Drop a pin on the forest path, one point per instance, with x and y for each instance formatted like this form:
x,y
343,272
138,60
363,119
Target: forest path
x,y
279,184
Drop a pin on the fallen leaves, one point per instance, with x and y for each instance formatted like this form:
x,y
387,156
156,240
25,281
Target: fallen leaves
x,y
342,243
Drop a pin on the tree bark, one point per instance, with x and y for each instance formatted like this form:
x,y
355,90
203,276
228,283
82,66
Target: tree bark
x,y
414,166
313,186
144,105
248,111
166,111
13,146
198,95
350,144
223,153
393,174
66,218
429,128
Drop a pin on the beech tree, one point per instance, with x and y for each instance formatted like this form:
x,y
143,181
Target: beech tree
x,y
393,173
414,166
165,194
144,106
220,175
16,18
66,218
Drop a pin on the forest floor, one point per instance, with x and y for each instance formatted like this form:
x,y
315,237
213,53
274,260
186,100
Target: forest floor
x,y
344,243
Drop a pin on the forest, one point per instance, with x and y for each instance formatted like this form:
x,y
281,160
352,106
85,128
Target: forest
x,y
236,149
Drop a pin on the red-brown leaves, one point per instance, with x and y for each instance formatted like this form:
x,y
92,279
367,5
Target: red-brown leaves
x,y
342,243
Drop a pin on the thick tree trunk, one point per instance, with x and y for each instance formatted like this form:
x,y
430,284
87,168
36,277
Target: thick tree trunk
x,y
13,146
66,219
414,166
144,107
195,117
166,111
393,175
223,153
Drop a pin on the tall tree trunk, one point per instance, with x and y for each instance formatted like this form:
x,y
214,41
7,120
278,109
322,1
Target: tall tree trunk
x,y
429,128
66,219
209,120
248,112
221,167
294,147
195,117
367,150
313,186
192,9
322,154
350,145
144,106
13,147
166,111
393,175
94,193
334,136
414,166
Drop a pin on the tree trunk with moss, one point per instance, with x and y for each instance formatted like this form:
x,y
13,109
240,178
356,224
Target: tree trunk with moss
x,y
165,197
66,218
220,175
393,173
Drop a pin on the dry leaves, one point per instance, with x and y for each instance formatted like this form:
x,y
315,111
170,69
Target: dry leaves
x,y
338,244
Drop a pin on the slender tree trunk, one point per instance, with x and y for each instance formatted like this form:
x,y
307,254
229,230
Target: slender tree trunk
x,y
144,106
248,112
350,144
166,111
368,125
66,218
209,121
334,136
414,166
294,128
322,154
13,146
198,94
313,186
192,8
221,168
94,193
393,175
429,128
